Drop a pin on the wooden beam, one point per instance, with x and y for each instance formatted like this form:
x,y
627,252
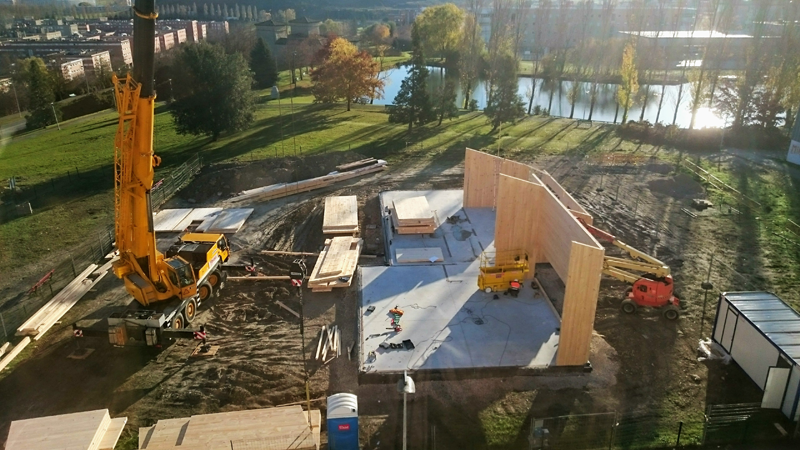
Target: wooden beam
x,y
580,304
4,348
276,252
14,352
294,313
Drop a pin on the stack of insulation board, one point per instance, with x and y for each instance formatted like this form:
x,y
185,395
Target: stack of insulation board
x,y
413,216
280,190
341,215
336,264
90,430
270,429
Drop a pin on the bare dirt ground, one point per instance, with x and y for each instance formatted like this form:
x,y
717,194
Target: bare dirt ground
x,y
640,362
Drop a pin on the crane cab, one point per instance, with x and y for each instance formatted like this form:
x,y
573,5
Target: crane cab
x,y
204,254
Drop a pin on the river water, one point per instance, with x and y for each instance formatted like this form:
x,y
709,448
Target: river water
x,y
604,108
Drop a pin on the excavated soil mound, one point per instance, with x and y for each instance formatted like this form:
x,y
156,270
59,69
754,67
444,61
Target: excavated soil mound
x,y
680,186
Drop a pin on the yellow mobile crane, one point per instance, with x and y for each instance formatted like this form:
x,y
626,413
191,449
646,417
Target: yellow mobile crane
x,y
168,288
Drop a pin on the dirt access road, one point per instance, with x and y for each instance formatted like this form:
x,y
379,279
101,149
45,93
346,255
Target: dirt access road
x,y
641,363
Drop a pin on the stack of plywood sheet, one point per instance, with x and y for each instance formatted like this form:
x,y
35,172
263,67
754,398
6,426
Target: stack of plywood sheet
x,y
280,428
336,264
62,302
226,221
418,255
280,190
341,215
90,430
413,216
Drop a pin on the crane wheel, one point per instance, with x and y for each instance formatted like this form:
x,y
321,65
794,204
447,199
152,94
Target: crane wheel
x,y
628,306
205,290
671,312
214,279
190,311
178,322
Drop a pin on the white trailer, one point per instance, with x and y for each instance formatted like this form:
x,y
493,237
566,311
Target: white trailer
x,y
762,334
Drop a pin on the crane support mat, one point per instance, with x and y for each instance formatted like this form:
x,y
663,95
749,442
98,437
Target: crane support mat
x,y
336,264
281,190
277,428
90,430
341,215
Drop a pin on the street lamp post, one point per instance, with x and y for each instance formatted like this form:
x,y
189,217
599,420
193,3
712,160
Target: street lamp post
x,y
52,105
406,386
291,102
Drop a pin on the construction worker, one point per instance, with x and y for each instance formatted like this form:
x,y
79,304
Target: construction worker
x,y
514,288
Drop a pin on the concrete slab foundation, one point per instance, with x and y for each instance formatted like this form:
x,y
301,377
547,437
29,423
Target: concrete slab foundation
x,y
451,324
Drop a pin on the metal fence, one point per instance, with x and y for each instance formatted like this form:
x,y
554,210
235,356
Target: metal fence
x,y
721,425
17,308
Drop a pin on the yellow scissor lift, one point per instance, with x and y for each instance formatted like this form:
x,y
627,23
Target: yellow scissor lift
x,y
499,269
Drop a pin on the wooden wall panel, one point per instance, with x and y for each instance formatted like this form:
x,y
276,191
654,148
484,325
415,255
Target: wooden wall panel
x,y
481,172
518,217
563,196
580,304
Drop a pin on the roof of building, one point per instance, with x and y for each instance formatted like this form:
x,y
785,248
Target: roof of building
x,y
775,319
699,34
304,19
270,23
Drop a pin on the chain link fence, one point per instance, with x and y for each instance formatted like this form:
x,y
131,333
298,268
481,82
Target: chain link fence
x,y
17,308
721,425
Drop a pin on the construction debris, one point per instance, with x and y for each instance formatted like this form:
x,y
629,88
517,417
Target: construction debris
x,y
341,215
336,264
330,340
90,430
294,313
280,190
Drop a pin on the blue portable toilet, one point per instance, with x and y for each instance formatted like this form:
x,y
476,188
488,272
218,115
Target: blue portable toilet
x,y
343,422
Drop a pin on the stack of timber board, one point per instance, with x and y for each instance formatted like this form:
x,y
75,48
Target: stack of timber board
x,y
280,428
341,215
336,264
90,430
280,190
62,302
413,216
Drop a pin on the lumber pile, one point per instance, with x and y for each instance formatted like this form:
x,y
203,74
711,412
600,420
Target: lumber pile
x,y
341,215
90,430
330,340
412,216
61,303
336,264
356,164
279,428
280,190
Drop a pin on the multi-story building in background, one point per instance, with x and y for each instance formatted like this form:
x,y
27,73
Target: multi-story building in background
x,y
72,69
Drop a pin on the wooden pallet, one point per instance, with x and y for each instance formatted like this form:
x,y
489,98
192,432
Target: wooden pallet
x,y
280,190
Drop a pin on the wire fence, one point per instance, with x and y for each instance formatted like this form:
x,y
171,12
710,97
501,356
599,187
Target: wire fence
x,y
16,308
721,425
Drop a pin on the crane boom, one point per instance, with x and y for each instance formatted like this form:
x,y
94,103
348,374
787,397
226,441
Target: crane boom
x,y
149,276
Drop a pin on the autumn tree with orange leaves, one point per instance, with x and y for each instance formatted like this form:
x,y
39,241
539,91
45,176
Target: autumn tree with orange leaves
x,y
345,74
